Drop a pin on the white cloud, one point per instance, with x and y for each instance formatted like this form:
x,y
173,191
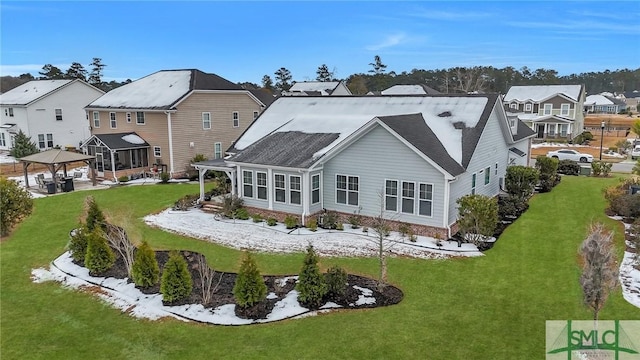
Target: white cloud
x,y
579,26
449,15
389,41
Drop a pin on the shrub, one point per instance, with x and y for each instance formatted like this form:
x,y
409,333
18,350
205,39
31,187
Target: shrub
x,y
312,225
413,237
123,179
511,207
164,177
95,217
355,220
99,257
404,229
600,168
291,222
339,226
78,243
145,271
336,280
477,217
627,205
311,287
15,204
176,281
186,202
568,167
272,221
242,214
520,181
329,220
249,288
547,168
256,218
230,205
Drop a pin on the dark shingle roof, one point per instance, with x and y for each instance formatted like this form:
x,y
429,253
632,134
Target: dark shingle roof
x,y
524,131
265,96
413,128
293,149
116,141
203,81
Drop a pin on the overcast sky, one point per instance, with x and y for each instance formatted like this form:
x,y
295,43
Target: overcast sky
x,y
242,40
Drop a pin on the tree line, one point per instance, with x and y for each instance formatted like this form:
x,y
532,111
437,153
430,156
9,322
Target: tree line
x,y
480,79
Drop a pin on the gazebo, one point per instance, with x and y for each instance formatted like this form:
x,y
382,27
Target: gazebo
x,y
56,159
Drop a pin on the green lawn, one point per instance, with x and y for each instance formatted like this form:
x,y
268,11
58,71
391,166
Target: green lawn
x,y
492,307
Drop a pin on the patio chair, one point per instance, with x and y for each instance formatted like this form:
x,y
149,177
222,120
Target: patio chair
x,y
40,180
77,175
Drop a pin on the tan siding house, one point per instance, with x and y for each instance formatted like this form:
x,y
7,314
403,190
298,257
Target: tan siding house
x,y
177,113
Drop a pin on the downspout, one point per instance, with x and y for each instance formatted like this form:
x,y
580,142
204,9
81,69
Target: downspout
x,y
447,193
170,142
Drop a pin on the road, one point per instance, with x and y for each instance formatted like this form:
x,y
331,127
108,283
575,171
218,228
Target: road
x,y
623,167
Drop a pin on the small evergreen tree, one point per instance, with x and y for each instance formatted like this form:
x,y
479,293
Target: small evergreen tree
x,y
95,217
78,243
547,168
99,257
477,217
15,204
176,281
249,288
145,271
22,146
520,181
336,280
311,286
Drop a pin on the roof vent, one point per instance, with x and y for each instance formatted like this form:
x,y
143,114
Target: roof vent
x,y
445,114
459,125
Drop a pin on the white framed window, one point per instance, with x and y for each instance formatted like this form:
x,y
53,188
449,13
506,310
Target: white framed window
x,y
563,129
513,105
140,117
564,109
41,143
217,150
347,189
425,197
315,189
551,128
96,119
391,195
547,109
527,107
3,140
157,151
50,140
408,197
255,115
295,189
112,120
206,121
236,119
512,122
247,183
129,117
487,175
10,112
473,183
58,114
279,186
261,184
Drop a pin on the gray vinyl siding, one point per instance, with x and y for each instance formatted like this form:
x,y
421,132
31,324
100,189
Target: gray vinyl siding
x,y
264,204
517,160
491,149
374,158
253,201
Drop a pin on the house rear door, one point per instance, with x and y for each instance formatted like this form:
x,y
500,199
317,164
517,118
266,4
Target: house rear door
x,y
100,164
540,131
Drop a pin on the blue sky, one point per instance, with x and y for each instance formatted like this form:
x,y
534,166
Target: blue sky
x,y
243,40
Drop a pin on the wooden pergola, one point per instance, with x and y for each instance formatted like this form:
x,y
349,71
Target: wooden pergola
x,y
56,159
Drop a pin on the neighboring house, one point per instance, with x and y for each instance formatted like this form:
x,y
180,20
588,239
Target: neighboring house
x,y
552,111
410,90
603,104
166,119
414,156
51,112
315,88
632,99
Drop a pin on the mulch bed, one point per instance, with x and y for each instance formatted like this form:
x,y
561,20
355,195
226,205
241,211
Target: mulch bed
x,y
388,295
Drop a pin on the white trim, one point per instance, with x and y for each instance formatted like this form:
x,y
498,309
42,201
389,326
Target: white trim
x,y
159,151
487,172
144,120
55,114
94,118
208,120
346,189
113,120
266,186
528,106
402,197
215,150
312,189
568,109
429,200
247,92
251,184
235,117
290,190
544,109
396,195
128,117
284,179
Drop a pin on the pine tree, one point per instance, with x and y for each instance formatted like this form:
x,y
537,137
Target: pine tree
x,y
283,79
267,82
22,146
311,286
50,72
249,288
99,257
145,271
176,281
78,243
378,67
336,280
76,71
95,76
95,217
324,74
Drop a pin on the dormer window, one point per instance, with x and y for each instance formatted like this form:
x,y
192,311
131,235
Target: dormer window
x,y
513,106
527,107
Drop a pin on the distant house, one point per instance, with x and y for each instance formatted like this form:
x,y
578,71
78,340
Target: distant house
x,y
552,111
315,88
51,112
603,104
632,99
410,90
166,119
414,156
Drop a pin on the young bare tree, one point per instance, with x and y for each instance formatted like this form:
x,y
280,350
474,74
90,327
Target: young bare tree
x,y
381,225
599,268
116,234
209,278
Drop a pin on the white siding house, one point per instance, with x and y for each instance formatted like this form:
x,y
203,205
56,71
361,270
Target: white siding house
x,y
414,156
51,112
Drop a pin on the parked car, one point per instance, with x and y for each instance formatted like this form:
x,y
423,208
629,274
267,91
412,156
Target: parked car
x,y
635,153
567,154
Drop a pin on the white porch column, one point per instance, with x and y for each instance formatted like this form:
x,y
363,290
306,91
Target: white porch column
x,y
270,194
170,132
113,165
305,196
201,173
